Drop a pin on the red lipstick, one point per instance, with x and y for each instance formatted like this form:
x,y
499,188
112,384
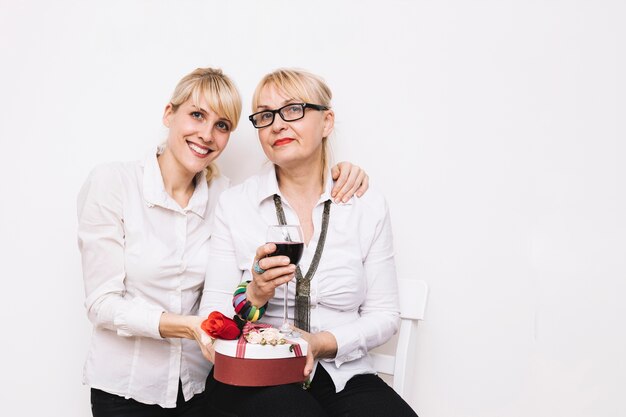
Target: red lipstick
x,y
283,141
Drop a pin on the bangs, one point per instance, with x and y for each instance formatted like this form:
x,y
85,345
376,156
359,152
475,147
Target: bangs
x,y
221,98
212,86
296,85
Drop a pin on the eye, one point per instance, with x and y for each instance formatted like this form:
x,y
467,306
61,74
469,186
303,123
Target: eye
x,y
292,110
221,125
197,115
266,116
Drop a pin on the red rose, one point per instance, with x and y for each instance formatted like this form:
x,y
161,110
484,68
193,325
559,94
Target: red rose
x,y
218,326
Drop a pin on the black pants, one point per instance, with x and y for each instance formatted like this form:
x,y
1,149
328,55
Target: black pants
x,y
363,396
104,404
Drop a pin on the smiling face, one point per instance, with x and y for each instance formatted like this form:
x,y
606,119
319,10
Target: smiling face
x,y
298,143
204,108
197,135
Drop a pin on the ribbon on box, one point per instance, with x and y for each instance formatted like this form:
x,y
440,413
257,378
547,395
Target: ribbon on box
x,y
250,327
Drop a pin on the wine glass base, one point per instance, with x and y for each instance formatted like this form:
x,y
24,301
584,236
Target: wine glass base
x,y
285,328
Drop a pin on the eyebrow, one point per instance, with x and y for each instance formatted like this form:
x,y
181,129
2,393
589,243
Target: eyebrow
x,y
201,109
284,103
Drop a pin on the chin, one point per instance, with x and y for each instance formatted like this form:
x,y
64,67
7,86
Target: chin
x,y
282,158
195,168
200,164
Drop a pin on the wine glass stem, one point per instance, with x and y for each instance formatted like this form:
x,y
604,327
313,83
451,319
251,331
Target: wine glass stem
x,y
285,327
285,305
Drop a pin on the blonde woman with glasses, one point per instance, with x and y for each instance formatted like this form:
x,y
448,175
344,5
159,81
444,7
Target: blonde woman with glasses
x,y
344,301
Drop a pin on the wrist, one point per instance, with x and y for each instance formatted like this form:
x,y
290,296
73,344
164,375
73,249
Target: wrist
x,y
325,345
245,307
253,297
175,325
192,325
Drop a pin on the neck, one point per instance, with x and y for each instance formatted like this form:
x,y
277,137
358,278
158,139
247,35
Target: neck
x,y
303,181
178,182
302,186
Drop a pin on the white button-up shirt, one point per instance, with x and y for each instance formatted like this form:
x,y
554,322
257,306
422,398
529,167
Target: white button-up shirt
x,y
354,291
142,255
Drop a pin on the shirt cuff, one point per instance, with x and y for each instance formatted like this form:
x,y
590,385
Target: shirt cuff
x,y
349,344
140,318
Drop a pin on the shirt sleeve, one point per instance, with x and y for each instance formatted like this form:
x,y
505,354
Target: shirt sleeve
x,y
379,312
101,243
223,273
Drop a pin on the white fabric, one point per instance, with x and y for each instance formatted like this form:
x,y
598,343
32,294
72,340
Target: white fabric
x,y
354,291
142,255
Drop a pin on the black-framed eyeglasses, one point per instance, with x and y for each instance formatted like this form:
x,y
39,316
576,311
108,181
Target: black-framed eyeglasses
x,y
288,113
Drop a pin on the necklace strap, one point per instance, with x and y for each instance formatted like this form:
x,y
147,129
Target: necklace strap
x,y
303,283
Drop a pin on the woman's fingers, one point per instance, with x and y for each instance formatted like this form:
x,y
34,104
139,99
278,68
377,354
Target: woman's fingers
x,y
206,344
272,262
268,272
341,174
349,180
310,356
275,277
353,183
365,184
264,250
308,367
266,262
271,270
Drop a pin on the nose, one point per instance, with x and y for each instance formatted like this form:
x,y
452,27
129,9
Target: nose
x,y
205,133
279,124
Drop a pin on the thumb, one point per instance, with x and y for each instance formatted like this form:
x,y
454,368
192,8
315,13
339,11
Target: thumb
x,y
308,367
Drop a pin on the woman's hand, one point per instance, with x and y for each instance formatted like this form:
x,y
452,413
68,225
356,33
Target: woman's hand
x,y
349,180
188,327
274,271
321,345
204,340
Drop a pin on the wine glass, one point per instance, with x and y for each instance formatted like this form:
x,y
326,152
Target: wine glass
x,y
289,242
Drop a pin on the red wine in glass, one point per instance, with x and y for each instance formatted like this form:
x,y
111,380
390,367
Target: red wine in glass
x,y
293,250
289,242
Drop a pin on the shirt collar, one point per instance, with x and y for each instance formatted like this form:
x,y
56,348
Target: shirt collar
x,y
268,186
154,192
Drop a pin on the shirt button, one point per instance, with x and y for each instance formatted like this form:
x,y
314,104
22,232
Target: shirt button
x,y
182,268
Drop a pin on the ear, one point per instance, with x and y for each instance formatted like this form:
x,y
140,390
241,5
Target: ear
x,y
329,123
167,114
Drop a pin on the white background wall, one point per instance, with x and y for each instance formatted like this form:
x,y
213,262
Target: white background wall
x,y
495,128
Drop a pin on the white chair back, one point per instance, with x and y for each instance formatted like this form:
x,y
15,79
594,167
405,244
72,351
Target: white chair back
x,y
413,294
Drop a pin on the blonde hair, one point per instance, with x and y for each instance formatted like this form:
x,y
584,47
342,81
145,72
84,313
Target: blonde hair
x,y
299,85
220,93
